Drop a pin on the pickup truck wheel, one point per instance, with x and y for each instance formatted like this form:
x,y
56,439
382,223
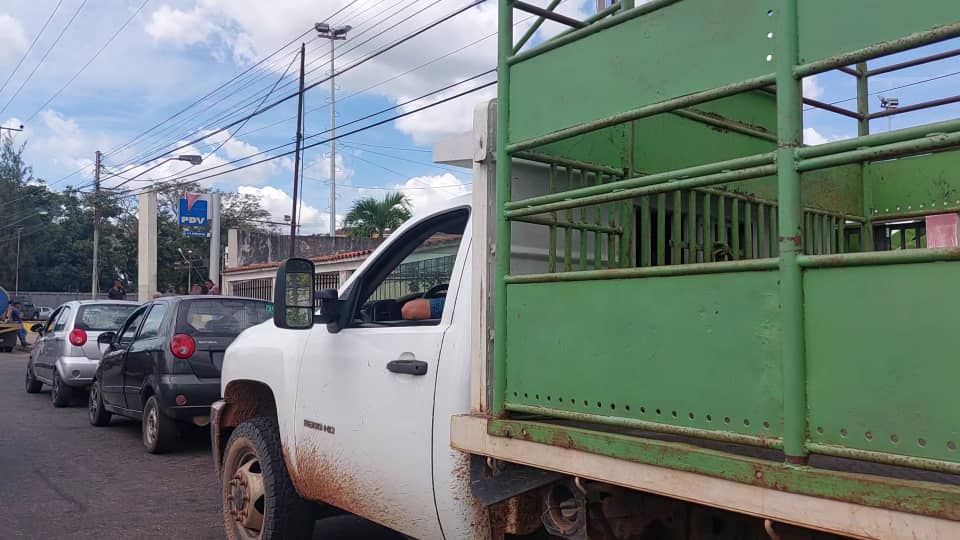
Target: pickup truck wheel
x,y
159,430
60,394
33,385
257,496
98,414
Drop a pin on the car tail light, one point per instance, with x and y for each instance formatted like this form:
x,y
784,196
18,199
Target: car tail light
x,y
78,337
182,346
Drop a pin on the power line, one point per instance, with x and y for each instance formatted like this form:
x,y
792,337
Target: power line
x,y
90,61
319,143
44,57
313,85
352,122
915,83
398,158
30,48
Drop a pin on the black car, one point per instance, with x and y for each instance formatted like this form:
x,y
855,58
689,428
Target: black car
x,y
163,365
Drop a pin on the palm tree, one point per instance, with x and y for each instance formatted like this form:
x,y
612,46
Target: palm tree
x,y
371,217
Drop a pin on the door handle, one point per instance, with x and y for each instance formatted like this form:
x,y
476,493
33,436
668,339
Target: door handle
x,y
409,367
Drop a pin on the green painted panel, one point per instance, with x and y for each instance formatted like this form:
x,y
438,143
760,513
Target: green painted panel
x,y
695,351
603,147
881,374
837,189
831,27
686,47
907,183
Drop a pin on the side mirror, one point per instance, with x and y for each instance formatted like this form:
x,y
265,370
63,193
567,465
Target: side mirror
x,y
293,294
37,328
105,341
330,306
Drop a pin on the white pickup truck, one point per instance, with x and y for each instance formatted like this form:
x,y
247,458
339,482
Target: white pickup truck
x,y
350,407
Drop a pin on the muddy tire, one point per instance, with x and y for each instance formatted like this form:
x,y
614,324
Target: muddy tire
x,y
96,412
33,386
257,496
159,430
60,394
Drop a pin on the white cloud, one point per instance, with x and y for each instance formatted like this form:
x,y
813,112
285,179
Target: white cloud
x,y
320,168
279,204
812,137
811,88
13,39
181,28
425,192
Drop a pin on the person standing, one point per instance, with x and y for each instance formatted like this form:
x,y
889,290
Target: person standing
x,y
211,287
15,316
117,292
196,289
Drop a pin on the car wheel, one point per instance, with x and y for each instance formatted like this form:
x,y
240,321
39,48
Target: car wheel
x,y
60,394
33,385
257,496
99,416
159,430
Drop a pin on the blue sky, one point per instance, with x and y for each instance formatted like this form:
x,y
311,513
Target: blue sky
x,y
175,51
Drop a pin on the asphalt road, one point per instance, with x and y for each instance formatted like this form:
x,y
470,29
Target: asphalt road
x,y
60,477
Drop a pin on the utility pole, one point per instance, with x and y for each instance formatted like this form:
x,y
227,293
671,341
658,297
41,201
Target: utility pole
x,y
96,228
333,34
16,287
296,159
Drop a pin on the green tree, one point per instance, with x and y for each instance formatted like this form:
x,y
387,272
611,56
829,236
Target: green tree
x,y
372,217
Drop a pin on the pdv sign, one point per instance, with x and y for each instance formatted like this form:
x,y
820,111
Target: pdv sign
x,y
194,211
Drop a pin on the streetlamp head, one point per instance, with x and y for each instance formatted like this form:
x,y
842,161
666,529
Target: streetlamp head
x,y
342,30
322,27
192,159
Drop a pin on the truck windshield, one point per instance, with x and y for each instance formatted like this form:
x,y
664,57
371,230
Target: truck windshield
x,y
221,316
103,317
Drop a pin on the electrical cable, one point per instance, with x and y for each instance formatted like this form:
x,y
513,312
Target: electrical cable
x,y
32,44
44,57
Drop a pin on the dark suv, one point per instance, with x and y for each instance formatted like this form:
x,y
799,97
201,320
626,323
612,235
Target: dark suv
x,y
163,365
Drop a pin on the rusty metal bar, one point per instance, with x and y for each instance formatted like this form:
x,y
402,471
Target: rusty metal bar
x,y
533,28
748,251
661,229
692,227
552,256
677,231
627,257
722,222
910,147
916,107
568,233
576,164
577,226
774,239
763,244
707,229
725,267
724,123
871,258
879,139
848,71
922,212
821,105
735,226
915,62
904,43
597,244
548,14
884,457
646,234
581,235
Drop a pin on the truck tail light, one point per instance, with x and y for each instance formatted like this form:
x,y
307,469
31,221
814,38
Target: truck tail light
x,y
78,337
182,346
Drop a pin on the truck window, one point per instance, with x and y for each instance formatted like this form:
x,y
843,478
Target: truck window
x,y
411,285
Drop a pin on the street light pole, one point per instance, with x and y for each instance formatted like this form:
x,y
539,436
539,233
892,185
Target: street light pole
x,y
16,287
333,34
296,158
94,282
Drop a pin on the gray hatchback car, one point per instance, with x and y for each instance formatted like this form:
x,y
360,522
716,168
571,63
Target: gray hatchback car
x,y
66,354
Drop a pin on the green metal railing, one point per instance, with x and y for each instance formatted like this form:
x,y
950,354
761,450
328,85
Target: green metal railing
x,y
614,223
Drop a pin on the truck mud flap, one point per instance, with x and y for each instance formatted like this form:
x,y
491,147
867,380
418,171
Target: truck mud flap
x,y
499,480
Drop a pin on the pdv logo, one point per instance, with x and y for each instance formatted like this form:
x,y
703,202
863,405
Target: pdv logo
x,y
193,211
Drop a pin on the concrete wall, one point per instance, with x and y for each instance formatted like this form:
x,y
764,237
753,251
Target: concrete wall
x,y
54,299
248,247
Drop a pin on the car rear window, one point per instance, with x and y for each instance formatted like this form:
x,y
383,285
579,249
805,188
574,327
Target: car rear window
x,y
221,316
103,317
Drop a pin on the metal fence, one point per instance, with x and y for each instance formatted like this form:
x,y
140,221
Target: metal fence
x,y
327,280
415,277
259,288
